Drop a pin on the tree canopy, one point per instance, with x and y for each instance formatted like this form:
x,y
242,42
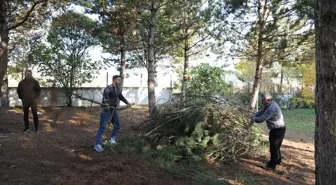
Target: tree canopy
x,y
65,56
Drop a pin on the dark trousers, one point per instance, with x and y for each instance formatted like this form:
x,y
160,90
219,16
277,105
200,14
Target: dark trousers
x,y
276,137
33,107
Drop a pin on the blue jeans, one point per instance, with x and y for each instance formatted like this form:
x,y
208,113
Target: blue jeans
x,y
105,115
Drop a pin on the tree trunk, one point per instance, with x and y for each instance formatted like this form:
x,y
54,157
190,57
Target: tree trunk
x,y
123,67
325,133
69,99
259,63
185,54
122,56
151,60
185,69
256,87
70,91
281,79
4,100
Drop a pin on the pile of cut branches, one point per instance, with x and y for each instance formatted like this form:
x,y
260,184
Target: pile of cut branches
x,y
203,128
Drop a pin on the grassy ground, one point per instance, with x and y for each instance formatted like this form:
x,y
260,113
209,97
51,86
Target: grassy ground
x,y
300,125
302,120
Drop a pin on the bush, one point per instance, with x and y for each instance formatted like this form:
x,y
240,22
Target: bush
x,y
304,99
242,99
205,80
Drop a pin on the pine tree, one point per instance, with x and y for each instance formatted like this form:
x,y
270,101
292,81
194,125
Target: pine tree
x,y
325,133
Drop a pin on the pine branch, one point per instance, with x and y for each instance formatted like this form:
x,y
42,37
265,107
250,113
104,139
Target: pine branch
x,y
25,18
201,50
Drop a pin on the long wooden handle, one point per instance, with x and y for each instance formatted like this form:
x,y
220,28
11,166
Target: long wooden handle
x,y
103,104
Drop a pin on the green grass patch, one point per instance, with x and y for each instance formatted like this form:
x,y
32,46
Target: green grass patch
x,y
302,120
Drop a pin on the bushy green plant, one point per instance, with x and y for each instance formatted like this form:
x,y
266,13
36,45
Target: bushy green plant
x,y
303,99
207,80
306,98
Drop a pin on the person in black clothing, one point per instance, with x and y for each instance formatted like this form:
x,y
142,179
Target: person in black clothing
x,y
111,96
29,91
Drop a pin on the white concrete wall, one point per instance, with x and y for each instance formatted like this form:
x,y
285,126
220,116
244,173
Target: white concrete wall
x,y
56,97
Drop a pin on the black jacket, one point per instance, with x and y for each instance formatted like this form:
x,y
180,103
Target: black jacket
x,y
29,90
112,95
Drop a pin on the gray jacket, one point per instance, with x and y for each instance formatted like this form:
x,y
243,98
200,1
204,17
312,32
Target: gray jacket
x,y
272,115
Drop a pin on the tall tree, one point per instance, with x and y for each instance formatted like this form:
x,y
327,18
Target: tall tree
x,y
65,58
151,50
191,21
20,58
325,133
151,60
262,30
13,15
262,36
117,31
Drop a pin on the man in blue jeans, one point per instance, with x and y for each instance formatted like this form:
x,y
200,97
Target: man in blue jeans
x,y
111,96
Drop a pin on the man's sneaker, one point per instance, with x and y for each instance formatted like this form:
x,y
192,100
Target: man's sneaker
x,y
37,130
98,148
26,130
112,141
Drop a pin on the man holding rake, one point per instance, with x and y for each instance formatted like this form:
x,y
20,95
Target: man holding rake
x,y
274,119
111,96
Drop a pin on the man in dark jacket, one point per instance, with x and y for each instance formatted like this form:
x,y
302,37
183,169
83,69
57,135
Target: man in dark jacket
x,y
29,91
111,96
274,119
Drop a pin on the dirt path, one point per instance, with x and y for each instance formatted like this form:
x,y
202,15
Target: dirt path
x,y
297,166
62,154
